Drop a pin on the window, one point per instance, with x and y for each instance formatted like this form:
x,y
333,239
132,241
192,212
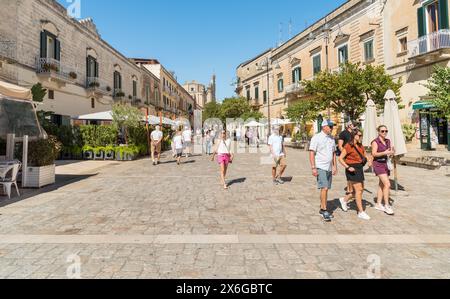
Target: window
x,y
134,88
117,81
343,54
297,75
257,92
317,64
51,94
265,96
147,93
433,17
92,67
368,51
93,103
403,44
248,94
50,46
280,85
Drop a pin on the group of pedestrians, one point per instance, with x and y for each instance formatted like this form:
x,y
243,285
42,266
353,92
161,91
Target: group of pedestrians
x,y
353,157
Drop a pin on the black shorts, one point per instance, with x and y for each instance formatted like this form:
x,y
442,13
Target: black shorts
x,y
358,175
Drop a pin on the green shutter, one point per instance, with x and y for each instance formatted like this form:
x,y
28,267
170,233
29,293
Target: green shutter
x,y
421,21
96,68
443,14
293,75
43,44
57,50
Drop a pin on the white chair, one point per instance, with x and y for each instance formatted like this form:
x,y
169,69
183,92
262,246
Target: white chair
x,y
8,182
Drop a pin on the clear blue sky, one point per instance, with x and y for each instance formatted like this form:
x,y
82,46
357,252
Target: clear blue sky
x,y
197,37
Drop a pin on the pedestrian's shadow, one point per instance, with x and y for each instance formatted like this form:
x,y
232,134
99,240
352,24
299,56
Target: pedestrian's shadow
x,y
237,181
400,187
168,162
287,179
188,162
335,204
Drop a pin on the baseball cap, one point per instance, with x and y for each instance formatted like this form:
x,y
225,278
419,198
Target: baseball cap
x,y
327,123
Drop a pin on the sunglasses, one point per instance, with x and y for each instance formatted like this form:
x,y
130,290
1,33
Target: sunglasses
x,y
384,131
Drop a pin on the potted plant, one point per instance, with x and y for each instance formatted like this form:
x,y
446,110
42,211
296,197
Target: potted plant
x,y
108,88
94,84
109,153
99,153
88,152
73,75
130,97
41,158
120,153
76,152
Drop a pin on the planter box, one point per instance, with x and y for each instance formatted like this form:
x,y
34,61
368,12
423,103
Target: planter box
x,y
89,155
66,156
38,177
109,155
99,156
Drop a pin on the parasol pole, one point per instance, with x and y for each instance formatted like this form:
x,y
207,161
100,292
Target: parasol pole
x,y
147,120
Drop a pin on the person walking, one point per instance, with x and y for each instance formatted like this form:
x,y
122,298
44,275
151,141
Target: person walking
x,y
382,151
344,138
278,153
238,135
187,141
208,143
323,164
156,138
178,145
353,157
224,156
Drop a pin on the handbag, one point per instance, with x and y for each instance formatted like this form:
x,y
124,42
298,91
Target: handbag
x,y
390,165
363,158
229,152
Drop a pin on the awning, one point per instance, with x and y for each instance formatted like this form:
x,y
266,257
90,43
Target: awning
x,y
15,91
100,116
420,105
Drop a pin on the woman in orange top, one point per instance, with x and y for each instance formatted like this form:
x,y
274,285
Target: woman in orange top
x,y
354,158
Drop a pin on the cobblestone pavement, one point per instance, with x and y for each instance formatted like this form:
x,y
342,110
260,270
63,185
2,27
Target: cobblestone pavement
x,y
135,220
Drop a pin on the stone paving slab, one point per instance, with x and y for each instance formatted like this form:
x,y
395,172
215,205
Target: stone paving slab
x,y
133,220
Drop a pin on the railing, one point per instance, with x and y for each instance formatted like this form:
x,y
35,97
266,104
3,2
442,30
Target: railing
x,y
118,94
429,43
96,84
294,88
55,68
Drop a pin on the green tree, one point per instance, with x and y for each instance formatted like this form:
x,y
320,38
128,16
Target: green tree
x,y
304,111
211,110
348,90
38,92
252,115
439,86
235,108
125,117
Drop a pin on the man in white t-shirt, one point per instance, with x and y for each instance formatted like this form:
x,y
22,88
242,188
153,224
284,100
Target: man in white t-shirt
x,y
178,146
156,138
278,152
323,164
187,140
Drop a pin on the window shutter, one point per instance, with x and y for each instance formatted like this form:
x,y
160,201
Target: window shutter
x,y
294,71
96,68
87,67
299,74
57,50
421,21
43,44
443,14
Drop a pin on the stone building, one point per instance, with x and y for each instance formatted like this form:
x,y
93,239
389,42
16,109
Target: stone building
x,y
409,37
202,94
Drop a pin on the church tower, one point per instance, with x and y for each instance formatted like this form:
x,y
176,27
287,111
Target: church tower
x,y
211,96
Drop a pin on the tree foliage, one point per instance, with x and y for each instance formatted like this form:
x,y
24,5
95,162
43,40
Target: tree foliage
x,y
230,108
304,111
439,89
348,90
38,92
211,110
125,117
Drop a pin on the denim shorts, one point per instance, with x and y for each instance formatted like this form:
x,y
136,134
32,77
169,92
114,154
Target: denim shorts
x,y
324,179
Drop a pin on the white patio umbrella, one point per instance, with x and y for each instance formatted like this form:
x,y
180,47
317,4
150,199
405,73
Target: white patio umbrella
x,y
370,127
253,124
100,116
392,122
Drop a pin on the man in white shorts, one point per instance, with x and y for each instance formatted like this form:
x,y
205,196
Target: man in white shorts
x,y
187,140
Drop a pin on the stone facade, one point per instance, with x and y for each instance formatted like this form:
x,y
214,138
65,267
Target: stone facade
x,y
202,94
78,39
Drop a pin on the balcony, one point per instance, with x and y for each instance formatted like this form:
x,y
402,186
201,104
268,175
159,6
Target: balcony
x,y
55,71
431,47
118,95
295,89
97,86
136,102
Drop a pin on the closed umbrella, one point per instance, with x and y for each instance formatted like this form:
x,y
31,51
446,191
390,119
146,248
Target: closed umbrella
x,y
392,122
370,127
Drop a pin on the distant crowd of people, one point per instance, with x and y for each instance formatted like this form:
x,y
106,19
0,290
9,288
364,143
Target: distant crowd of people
x,y
324,157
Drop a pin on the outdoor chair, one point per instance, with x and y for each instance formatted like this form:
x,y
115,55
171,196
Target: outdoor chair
x,y
7,182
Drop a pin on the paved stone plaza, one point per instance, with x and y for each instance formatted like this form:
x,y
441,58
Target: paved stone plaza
x,y
133,220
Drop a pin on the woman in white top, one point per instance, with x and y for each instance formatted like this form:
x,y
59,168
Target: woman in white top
x,y
178,145
225,156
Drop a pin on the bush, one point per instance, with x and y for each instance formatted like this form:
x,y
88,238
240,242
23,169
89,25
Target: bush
x,y
97,136
409,131
44,152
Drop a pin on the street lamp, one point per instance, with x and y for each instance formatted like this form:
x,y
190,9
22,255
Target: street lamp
x,y
267,64
326,29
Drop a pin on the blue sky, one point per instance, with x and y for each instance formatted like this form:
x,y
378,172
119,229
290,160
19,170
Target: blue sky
x,y
198,37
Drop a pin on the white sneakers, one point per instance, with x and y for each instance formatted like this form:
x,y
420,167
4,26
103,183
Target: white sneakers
x,y
344,205
364,216
385,209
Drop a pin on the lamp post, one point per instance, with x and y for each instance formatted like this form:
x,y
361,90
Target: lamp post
x,y
266,64
326,30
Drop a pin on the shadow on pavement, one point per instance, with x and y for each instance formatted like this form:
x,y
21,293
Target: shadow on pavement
x,y
237,181
61,181
287,179
335,204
